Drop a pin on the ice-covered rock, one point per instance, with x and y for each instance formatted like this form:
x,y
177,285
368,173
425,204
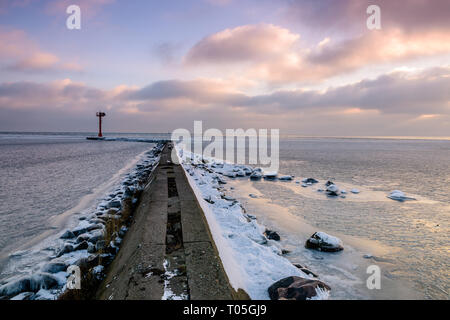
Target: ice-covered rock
x,y
305,270
324,242
54,266
270,175
399,196
67,247
310,180
332,190
67,235
296,288
256,175
272,235
24,296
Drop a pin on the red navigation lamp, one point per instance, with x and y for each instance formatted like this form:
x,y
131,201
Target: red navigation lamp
x,y
100,115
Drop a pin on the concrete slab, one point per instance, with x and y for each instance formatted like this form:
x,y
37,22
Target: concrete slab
x,y
206,278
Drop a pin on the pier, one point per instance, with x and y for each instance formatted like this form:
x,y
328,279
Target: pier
x,y
168,251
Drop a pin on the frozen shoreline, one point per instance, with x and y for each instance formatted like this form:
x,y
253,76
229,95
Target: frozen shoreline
x,y
251,260
85,242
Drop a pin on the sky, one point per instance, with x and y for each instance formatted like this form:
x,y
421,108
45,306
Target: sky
x,y
306,67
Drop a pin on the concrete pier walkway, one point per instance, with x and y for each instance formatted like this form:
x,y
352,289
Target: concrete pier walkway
x,y
168,251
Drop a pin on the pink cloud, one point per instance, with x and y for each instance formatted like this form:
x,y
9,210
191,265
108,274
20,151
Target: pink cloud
x,y
274,54
241,44
19,53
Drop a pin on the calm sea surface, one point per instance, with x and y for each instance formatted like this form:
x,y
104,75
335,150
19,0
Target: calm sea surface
x,y
409,241
44,177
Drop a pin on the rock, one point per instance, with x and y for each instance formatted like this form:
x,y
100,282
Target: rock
x,y
270,175
241,173
355,191
96,236
15,287
296,288
65,249
251,195
399,196
79,230
43,280
368,256
310,180
328,183
324,242
94,227
209,199
114,204
256,175
54,266
272,235
304,185
285,178
332,190
305,270
82,246
83,237
24,296
123,230
100,245
67,235
91,248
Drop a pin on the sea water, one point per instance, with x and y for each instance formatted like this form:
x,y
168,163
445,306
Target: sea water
x,y
408,241
47,181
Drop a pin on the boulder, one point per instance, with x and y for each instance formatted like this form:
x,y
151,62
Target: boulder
x,y
65,249
256,175
96,236
114,204
67,235
272,235
270,175
310,180
399,196
15,287
24,296
332,190
54,266
305,269
83,237
296,288
82,246
324,242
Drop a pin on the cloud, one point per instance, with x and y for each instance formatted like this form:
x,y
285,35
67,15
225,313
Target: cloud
x,y
350,15
247,43
276,55
402,101
19,53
